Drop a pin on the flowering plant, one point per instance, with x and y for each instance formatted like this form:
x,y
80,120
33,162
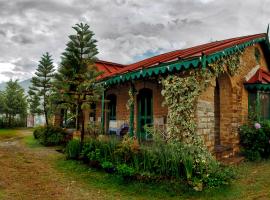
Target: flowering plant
x,y
257,125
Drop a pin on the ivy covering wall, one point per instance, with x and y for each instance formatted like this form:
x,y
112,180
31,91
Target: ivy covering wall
x,y
181,93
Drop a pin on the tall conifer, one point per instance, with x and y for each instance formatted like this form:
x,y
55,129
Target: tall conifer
x,y
77,74
41,85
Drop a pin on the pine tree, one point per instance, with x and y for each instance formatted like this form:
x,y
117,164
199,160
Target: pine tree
x,y
15,101
77,74
2,102
41,85
34,103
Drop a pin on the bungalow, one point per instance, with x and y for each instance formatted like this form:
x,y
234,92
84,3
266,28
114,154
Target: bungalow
x,y
220,109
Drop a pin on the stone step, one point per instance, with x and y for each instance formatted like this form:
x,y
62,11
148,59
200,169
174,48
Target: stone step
x,y
222,152
235,160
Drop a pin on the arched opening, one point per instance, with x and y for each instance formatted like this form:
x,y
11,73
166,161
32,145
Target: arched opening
x,y
111,114
217,113
224,87
145,111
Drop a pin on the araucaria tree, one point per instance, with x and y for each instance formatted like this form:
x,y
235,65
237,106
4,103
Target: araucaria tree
x,y
41,85
14,105
77,74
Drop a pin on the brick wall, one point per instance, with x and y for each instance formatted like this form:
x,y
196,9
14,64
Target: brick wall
x,y
122,113
212,120
233,103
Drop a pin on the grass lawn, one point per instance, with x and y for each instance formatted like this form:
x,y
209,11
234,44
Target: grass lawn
x,y
8,133
30,141
253,183
253,180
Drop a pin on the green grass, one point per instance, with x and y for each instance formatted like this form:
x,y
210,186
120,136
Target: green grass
x,y
7,133
253,182
1,195
31,142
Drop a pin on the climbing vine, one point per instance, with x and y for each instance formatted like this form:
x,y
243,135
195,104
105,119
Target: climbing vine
x,y
229,63
181,94
131,93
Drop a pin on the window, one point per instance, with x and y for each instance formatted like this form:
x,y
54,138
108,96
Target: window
x,y
264,105
92,114
259,102
112,106
252,96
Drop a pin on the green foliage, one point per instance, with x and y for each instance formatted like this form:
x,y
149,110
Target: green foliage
x,y
154,161
255,141
180,95
38,131
13,105
107,165
219,175
73,149
101,149
50,135
228,63
257,55
94,128
40,91
125,171
75,87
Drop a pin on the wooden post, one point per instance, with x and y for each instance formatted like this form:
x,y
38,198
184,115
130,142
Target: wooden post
x,y
102,112
131,110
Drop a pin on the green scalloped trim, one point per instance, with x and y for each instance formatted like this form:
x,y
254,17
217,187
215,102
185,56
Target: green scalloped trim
x,y
261,87
179,65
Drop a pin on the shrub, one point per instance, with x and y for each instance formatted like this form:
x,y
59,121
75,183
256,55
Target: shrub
x,y
94,128
38,131
255,138
73,149
50,135
125,171
219,175
108,166
154,161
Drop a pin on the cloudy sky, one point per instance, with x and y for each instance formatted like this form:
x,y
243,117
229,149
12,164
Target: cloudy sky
x,y
126,30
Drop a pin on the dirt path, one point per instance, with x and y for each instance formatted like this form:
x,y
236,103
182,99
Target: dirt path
x,y
28,173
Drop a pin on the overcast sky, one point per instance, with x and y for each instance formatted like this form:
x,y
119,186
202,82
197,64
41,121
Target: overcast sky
x,y
126,30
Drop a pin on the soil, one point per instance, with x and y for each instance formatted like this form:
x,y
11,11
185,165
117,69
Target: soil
x,y
28,173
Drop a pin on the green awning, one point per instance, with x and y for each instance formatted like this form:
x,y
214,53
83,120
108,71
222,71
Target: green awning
x,y
258,86
180,65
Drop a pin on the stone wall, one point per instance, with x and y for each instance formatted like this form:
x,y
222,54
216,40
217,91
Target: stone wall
x,y
206,122
212,120
233,103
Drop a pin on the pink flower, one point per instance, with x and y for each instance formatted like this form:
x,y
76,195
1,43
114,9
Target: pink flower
x,y
257,125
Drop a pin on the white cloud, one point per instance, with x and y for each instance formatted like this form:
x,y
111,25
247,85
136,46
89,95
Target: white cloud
x,y
125,29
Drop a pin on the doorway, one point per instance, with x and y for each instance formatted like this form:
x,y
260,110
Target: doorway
x,y
145,111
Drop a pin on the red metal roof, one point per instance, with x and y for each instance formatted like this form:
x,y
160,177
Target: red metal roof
x,y
197,51
107,67
261,76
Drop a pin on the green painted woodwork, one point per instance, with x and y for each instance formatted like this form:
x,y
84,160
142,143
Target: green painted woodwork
x,y
102,111
145,111
112,106
180,65
131,110
258,86
111,114
259,103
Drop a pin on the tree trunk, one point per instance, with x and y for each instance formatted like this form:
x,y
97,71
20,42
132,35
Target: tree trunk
x,y
78,108
46,116
45,110
9,120
82,132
